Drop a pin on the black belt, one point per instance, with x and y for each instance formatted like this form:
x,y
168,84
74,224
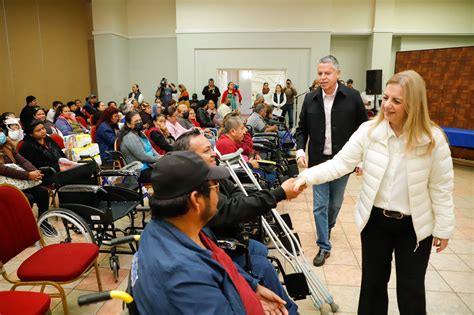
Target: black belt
x,y
393,214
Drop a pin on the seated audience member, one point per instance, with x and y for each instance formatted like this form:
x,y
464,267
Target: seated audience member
x,y
50,127
136,94
174,127
146,116
135,146
178,260
256,120
183,93
135,106
212,110
234,208
156,107
259,99
26,114
4,116
8,155
15,132
203,116
232,138
192,118
40,150
224,109
194,101
112,104
89,108
52,111
66,122
183,116
77,109
106,132
99,109
159,136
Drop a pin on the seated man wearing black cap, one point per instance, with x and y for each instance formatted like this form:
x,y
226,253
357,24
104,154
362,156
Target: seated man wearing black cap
x,y
26,115
179,269
234,208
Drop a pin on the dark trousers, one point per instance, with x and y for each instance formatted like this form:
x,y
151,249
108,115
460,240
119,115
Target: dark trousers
x,y
380,238
145,176
39,195
288,108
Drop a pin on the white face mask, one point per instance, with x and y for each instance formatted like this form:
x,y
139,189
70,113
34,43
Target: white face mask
x,y
15,135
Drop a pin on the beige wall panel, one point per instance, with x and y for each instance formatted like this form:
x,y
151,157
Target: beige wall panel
x,y
24,43
64,40
6,85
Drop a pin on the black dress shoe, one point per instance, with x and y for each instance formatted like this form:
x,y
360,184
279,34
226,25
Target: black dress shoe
x,y
320,258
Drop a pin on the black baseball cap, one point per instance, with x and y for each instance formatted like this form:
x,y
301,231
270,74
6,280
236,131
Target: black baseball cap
x,y
181,172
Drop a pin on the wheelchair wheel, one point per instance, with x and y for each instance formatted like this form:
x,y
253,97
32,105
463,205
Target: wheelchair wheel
x,y
64,226
115,266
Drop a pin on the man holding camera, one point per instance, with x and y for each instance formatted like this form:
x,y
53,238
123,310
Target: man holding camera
x,y
165,92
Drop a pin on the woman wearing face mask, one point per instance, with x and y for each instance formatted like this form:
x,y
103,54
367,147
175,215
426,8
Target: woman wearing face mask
x,y
40,115
15,133
159,135
8,155
234,95
183,116
107,128
66,122
135,146
40,150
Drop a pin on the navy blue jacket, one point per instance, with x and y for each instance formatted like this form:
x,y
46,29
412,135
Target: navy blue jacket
x,y
176,276
105,138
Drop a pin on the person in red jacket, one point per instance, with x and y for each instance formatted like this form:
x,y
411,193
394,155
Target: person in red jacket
x,y
234,95
160,137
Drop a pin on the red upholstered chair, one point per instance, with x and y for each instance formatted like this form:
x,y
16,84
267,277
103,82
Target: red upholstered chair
x,y
51,265
18,147
82,121
58,139
24,302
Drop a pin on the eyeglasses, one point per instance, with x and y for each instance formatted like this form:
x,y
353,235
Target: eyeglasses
x,y
214,186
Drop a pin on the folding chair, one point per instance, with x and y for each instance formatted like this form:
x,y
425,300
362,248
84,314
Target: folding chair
x,y
24,302
51,265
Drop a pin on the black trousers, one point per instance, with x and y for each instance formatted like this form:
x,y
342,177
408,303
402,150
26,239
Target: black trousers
x,y
145,176
39,195
380,238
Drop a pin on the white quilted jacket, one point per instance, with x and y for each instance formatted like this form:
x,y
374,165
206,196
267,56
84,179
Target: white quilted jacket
x,y
430,178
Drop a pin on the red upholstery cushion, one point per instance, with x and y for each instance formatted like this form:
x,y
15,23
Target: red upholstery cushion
x,y
25,303
18,229
58,262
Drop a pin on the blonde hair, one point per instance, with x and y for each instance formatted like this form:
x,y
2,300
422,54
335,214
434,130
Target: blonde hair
x,y
415,102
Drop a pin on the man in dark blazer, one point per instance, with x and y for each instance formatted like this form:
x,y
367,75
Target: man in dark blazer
x,y
328,118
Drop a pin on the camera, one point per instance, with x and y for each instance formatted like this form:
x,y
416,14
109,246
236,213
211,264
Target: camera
x,y
163,82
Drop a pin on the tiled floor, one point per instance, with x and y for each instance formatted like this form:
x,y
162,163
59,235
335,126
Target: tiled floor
x,y
449,279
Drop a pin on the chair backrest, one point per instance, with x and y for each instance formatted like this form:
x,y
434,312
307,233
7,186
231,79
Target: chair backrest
x,y
58,139
19,145
18,228
93,133
81,121
85,174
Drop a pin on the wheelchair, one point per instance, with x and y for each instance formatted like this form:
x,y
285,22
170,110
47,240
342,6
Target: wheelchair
x,y
92,211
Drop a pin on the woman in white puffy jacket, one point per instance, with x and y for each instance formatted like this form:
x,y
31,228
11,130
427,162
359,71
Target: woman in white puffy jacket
x,y
406,199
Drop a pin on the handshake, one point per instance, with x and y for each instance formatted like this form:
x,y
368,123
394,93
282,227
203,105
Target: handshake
x,y
293,187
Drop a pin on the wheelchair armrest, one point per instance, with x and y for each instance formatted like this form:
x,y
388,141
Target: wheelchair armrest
x,y
261,147
266,134
230,244
232,156
120,172
47,170
262,141
104,296
82,188
125,240
267,162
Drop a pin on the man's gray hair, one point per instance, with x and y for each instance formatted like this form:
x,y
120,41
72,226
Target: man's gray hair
x,y
330,59
232,123
259,108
